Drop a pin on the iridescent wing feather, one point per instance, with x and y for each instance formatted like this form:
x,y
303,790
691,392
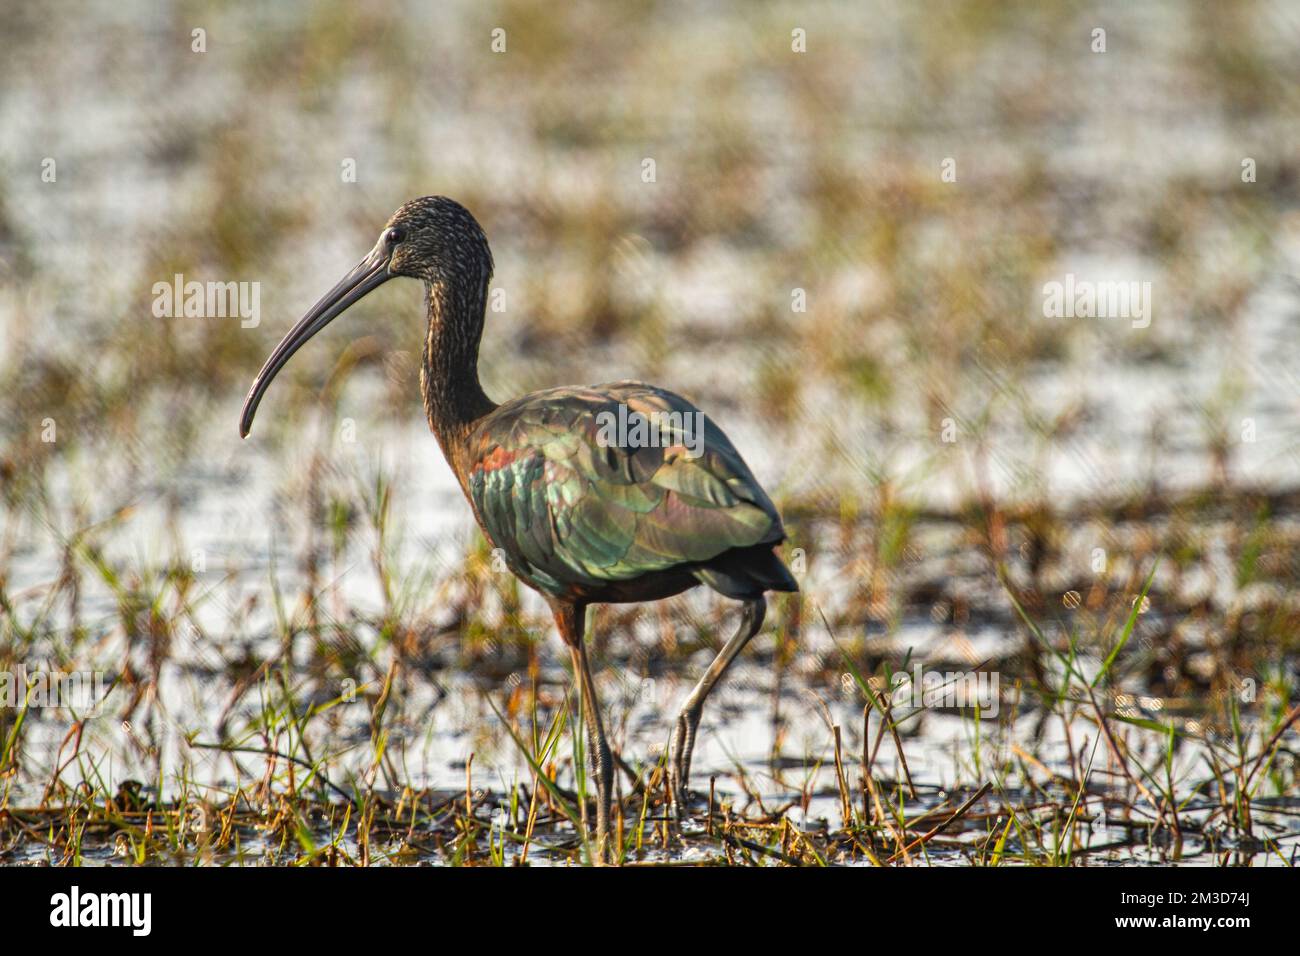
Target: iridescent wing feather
x,y
574,503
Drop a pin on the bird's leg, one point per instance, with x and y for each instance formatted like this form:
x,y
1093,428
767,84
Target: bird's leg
x,y
571,623
602,764
688,719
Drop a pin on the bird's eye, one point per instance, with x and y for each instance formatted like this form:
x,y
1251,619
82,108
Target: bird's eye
x,y
394,236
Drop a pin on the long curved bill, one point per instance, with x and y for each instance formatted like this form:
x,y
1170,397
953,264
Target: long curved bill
x,y
369,274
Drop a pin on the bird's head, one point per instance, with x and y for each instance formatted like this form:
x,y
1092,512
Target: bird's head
x,y
437,240
433,238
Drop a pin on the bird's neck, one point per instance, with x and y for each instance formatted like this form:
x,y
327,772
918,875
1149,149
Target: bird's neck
x,y
454,401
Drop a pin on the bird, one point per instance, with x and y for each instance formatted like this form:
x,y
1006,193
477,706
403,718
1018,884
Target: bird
x,y
582,510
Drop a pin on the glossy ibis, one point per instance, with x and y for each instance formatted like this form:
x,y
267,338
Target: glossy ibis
x,y
578,517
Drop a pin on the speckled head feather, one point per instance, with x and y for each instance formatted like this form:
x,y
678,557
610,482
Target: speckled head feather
x,y
440,242
436,239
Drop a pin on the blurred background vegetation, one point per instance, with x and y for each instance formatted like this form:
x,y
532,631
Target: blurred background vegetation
x,y
147,531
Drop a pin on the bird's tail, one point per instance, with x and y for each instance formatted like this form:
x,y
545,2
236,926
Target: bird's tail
x,y
745,573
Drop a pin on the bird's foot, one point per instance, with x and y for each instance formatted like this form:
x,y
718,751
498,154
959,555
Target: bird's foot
x,y
679,763
679,801
678,796
684,803
687,807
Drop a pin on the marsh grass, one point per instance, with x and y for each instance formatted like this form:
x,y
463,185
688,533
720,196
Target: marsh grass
x,y
1137,776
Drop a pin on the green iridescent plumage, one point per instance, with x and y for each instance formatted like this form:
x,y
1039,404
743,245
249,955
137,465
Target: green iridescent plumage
x,y
571,510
